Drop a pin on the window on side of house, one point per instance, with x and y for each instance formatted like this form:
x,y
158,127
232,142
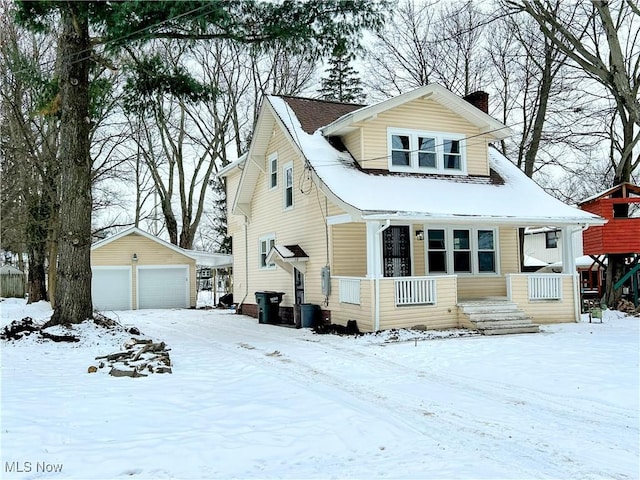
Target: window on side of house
x,y
551,239
266,243
287,172
426,152
273,170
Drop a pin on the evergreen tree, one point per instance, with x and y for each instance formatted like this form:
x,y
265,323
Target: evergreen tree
x,y
342,83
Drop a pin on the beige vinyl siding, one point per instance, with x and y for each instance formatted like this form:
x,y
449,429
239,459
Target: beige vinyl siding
x,y
419,263
424,115
545,311
474,287
120,252
362,314
349,243
509,250
353,142
440,316
302,225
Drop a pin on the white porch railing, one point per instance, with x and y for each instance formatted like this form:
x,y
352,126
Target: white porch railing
x,y
415,291
349,289
545,287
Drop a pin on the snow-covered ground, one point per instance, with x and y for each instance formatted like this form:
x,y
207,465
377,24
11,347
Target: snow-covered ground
x,y
260,401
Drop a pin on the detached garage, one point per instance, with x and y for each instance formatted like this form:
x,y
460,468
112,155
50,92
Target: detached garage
x,y
134,269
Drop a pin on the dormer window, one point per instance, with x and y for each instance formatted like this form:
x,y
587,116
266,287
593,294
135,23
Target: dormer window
x,y
426,152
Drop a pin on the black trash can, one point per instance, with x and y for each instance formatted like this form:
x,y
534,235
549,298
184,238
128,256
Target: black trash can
x,y
268,306
309,315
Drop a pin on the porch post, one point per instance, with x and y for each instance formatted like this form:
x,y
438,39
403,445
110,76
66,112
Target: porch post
x,y
568,253
374,265
374,252
569,266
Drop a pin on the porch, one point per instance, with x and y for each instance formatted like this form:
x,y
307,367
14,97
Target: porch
x,y
435,302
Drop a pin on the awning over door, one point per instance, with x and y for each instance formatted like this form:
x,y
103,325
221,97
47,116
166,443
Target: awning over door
x,y
287,257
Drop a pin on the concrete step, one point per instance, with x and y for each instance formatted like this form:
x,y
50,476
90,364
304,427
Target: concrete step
x,y
469,308
508,330
503,324
498,317
481,317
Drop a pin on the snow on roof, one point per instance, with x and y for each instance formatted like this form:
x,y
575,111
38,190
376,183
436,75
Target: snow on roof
x,y
448,199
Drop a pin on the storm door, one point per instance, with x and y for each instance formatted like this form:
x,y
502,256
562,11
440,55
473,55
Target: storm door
x,y
396,251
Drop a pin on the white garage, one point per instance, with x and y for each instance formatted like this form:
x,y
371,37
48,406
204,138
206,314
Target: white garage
x,y
163,286
134,269
111,288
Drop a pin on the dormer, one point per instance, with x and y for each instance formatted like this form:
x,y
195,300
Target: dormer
x,y
429,130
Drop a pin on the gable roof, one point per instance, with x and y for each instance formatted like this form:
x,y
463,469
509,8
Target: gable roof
x,y
202,258
485,123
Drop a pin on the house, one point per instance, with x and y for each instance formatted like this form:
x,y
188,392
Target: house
x,y
545,244
394,215
134,270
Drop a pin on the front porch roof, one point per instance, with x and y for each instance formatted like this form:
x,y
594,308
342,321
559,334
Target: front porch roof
x,y
507,196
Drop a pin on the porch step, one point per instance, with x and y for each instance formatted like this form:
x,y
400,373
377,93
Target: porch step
x,y
498,317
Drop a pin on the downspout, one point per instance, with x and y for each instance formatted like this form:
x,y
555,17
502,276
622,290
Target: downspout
x,y
576,280
246,263
376,280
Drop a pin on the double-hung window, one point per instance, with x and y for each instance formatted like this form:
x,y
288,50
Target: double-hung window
x,y
273,170
426,152
551,239
287,172
460,251
266,243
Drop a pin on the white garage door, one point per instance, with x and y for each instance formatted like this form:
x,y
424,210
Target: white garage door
x,y
163,287
111,288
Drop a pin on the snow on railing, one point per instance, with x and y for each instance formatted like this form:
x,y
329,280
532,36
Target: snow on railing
x,y
349,289
545,287
415,291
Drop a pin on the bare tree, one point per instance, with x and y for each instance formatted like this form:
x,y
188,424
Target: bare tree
x,y
603,43
29,149
402,55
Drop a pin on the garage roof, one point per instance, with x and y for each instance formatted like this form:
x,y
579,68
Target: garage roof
x,y
217,260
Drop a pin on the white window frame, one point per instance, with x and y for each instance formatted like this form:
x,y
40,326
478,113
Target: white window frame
x,y
273,172
474,249
440,139
265,244
286,187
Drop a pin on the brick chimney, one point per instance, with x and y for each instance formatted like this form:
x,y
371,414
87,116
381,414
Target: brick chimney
x,y
479,100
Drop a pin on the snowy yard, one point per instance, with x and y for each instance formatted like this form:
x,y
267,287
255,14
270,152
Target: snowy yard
x,y
259,401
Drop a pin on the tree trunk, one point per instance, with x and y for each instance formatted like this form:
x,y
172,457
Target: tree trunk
x,y
73,292
36,278
615,271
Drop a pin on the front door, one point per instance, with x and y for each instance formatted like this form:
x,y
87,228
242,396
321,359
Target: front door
x,y
396,251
